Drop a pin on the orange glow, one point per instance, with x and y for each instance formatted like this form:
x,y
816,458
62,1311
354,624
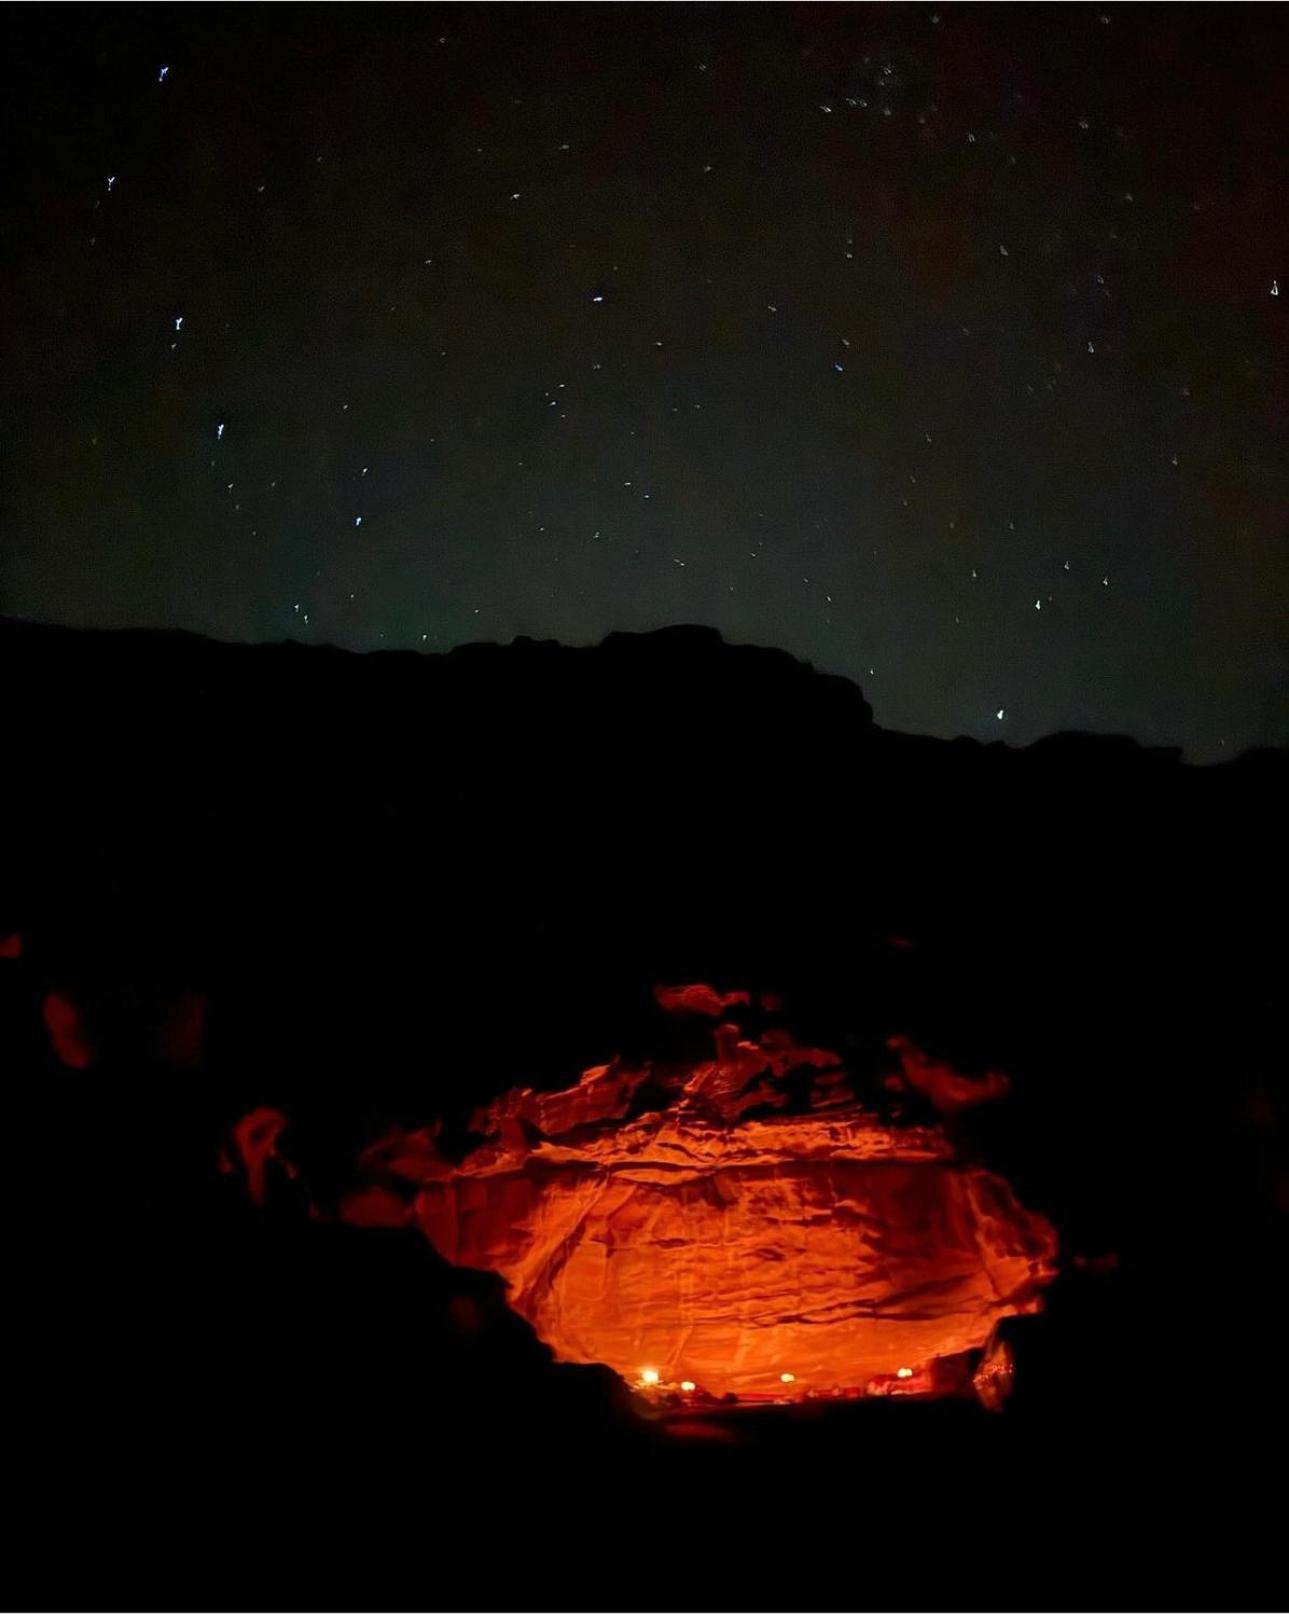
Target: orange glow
x,y
947,1090
994,1375
720,1230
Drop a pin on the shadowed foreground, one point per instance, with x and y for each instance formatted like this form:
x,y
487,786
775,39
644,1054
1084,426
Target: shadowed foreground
x,y
375,893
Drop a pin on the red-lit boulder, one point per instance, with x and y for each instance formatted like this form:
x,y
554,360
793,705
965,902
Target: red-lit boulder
x,y
765,1256
947,1090
66,1029
253,1147
697,999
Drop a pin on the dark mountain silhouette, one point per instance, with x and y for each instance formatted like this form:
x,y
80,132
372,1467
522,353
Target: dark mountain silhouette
x,y
378,889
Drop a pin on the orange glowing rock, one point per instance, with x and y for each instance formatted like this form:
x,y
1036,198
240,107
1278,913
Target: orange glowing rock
x,y
698,999
763,1256
947,1090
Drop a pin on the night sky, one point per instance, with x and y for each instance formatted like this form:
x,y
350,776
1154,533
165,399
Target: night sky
x,y
943,346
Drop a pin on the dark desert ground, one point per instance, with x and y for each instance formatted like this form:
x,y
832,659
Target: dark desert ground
x,y
402,884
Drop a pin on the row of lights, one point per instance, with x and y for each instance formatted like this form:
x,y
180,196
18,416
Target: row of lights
x,y
651,1378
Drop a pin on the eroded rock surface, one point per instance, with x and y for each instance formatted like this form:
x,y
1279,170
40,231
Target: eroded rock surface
x,y
718,1240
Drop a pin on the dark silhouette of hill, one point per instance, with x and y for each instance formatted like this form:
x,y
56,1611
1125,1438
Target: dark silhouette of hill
x,y
404,882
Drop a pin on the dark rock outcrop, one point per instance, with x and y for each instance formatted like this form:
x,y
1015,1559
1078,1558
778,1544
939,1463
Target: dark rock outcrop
x,y
370,892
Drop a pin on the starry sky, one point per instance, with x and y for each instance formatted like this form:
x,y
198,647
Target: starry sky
x,y
943,346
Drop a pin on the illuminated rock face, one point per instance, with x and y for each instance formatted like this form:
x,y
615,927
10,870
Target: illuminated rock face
x,y
726,1250
836,1272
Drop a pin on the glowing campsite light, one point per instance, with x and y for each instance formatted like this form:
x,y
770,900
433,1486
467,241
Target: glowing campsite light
x,y
650,1377
903,1374
687,1386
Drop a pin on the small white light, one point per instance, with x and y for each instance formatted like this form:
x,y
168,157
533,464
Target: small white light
x,y
650,1378
787,1376
687,1386
904,1374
